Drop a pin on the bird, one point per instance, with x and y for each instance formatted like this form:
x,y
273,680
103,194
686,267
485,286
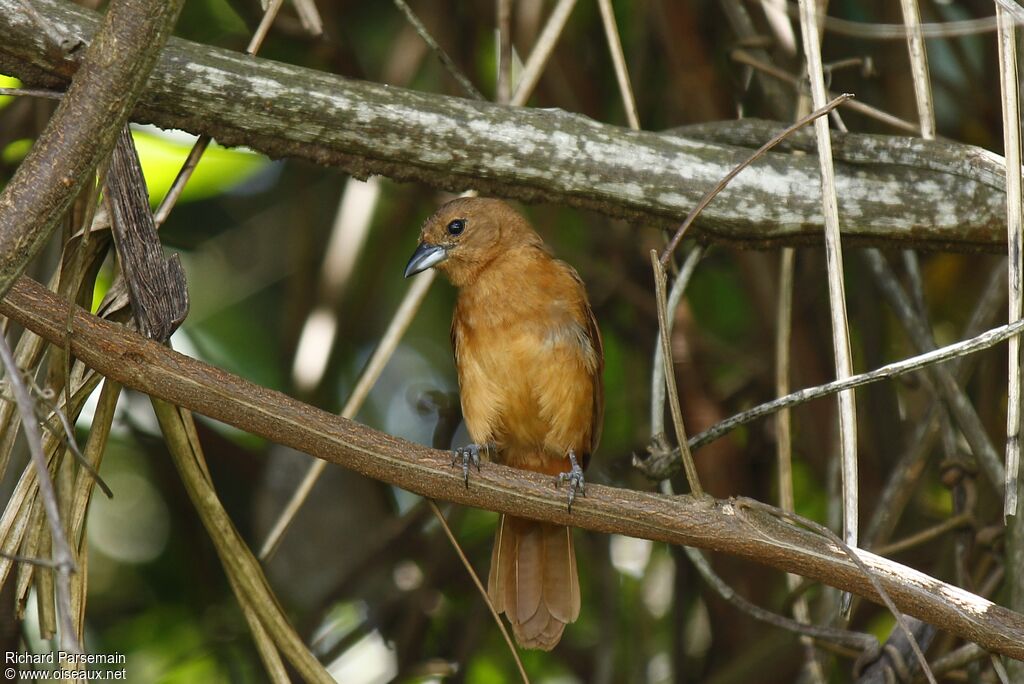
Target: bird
x,y
529,360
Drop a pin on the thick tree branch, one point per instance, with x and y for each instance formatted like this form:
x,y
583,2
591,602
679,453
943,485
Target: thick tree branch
x,y
706,523
890,191
83,129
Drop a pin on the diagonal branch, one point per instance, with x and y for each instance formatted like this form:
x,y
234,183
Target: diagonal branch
x,y
716,525
888,192
662,465
83,129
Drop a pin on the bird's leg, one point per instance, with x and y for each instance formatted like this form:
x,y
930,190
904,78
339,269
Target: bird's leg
x,y
469,454
574,478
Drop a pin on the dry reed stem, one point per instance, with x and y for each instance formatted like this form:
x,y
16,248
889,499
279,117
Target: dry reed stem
x,y
784,439
63,558
675,294
670,377
919,68
238,561
479,586
538,58
836,286
1012,151
442,56
611,33
400,322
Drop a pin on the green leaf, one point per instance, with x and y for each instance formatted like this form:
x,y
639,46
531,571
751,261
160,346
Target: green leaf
x,y
15,150
220,169
7,82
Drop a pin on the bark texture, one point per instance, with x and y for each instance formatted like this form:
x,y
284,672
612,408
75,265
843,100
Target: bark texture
x,y
82,131
725,526
893,191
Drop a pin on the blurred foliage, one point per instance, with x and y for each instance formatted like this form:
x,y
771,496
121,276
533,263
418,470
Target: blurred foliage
x,y
218,171
253,236
8,82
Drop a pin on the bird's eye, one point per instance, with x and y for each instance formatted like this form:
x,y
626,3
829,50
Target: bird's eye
x,y
456,227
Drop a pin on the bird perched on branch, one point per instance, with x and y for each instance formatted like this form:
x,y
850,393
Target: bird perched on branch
x,y
529,359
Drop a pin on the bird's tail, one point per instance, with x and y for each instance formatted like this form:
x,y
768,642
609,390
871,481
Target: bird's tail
x,y
533,580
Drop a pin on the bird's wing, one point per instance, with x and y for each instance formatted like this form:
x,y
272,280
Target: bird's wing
x,y
595,339
568,365
594,334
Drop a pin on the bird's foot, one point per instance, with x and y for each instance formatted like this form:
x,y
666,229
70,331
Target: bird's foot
x,y
465,455
574,478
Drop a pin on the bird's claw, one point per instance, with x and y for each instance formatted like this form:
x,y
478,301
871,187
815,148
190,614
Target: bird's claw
x,y
466,455
573,478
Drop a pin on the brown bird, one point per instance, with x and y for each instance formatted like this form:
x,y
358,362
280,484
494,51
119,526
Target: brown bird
x,y
529,361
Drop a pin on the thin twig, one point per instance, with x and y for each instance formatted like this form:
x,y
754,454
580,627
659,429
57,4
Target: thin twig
x,y
62,556
670,377
611,33
775,14
188,167
542,51
389,342
985,340
71,442
934,29
965,655
924,536
919,68
856,640
852,555
269,14
446,61
95,447
783,335
921,337
711,194
32,92
479,585
999,669
38,562
744,57
352,221
1009,87
836,285
784,439
1012,151
908,469
504,29
675,294
309,16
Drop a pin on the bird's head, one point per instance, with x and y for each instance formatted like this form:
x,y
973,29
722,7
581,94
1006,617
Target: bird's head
x,y
465,235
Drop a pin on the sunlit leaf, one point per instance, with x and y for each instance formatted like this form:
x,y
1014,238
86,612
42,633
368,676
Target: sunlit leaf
x,y
219,170
15,151
8,82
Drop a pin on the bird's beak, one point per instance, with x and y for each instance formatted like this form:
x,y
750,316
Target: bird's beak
x,y
424,257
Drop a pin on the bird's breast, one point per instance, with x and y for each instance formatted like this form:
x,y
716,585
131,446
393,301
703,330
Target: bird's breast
x,y
528,387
